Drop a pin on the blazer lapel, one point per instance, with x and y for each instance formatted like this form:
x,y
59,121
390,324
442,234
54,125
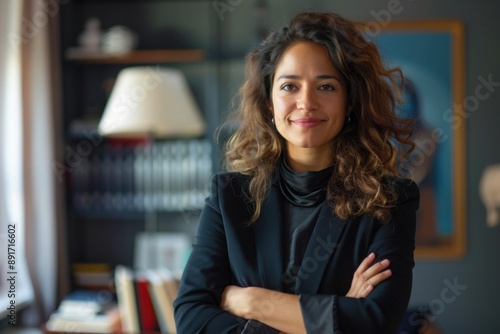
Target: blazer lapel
x,y
268,239
321,248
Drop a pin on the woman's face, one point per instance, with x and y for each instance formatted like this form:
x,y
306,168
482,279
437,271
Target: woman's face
x,y
308,98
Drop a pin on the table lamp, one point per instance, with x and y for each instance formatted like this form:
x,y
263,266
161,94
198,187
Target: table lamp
x,y
151,102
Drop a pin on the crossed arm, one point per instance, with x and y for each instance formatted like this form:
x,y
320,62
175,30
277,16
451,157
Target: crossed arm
x,y
282,310
208,301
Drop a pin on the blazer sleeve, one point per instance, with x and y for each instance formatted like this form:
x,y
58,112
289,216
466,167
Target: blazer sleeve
x,y
383,310
207,273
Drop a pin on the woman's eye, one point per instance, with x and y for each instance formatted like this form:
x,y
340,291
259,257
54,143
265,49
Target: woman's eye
x,y
287,87
327,87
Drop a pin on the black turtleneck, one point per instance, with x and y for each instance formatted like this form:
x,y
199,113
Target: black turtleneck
x,y
304,193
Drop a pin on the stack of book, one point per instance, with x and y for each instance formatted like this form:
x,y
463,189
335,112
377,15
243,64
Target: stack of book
x,y
92,276
145,299
85,311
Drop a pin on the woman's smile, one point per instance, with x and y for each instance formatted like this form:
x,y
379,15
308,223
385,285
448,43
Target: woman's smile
x,y
308,122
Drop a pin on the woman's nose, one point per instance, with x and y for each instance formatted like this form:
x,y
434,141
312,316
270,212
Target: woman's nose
x,y
307,99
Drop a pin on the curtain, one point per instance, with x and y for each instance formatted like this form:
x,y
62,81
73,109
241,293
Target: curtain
x,y
30,193
15,288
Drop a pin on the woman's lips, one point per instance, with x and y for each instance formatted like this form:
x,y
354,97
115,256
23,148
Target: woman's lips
x,y
307,122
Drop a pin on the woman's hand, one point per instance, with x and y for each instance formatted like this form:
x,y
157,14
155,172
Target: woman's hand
x,y
273,308
236,300
368,276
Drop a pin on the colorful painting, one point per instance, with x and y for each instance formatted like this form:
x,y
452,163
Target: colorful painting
x,y
430,54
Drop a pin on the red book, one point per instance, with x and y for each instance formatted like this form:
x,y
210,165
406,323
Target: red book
x,y
147,314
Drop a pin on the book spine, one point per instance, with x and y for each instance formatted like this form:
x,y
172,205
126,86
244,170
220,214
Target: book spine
x,y
125,290
146,311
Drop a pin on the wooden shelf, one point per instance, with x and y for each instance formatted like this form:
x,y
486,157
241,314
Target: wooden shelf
x,y
136,56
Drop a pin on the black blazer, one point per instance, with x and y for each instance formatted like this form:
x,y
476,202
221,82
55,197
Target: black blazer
x,y
229,252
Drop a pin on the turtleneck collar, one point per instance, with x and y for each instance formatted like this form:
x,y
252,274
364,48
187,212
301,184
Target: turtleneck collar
x,y
305,188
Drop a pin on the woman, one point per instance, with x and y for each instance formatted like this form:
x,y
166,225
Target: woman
x,y
311,231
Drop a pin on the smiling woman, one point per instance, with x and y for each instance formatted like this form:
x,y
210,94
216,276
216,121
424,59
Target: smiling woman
x,y
312,230
308,104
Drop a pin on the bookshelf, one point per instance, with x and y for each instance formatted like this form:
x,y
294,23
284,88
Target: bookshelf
x,y
104,177
104,202
135,56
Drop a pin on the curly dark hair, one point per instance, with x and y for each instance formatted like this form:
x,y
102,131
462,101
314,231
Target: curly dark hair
x,y
364,152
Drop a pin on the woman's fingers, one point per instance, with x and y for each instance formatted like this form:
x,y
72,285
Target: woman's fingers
x,y
376,269
365,264
368,276
371,283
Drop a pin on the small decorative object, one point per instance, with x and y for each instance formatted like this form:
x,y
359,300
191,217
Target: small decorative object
x,y
90,38
119,40
489,190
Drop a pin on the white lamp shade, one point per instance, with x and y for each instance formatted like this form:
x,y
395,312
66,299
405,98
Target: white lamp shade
x,y
151,101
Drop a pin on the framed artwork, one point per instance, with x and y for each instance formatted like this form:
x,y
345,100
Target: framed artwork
x,y
431,56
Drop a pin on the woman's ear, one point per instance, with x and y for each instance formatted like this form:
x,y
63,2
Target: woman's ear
x,y
270,106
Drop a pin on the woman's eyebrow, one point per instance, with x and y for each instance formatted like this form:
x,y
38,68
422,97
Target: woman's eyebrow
x,y
321,76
